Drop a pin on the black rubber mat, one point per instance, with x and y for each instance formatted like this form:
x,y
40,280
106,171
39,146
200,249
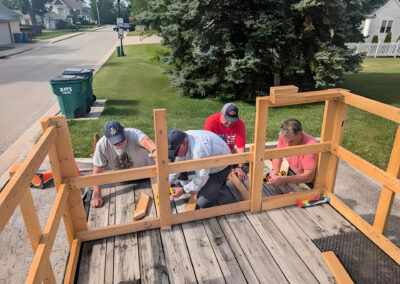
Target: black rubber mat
x,y
363,260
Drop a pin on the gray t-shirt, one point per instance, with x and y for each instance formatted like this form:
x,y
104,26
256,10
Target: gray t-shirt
x,y
133,155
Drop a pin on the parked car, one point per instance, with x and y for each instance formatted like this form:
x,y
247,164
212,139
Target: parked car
x,y
124,26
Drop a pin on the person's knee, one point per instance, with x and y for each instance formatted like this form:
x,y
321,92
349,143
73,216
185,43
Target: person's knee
x,y
203,202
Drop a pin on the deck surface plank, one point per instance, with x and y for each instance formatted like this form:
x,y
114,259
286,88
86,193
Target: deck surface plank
x,y
126,254
153,267
110,242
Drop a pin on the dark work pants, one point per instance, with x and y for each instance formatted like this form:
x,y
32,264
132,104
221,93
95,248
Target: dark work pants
x,y
208,194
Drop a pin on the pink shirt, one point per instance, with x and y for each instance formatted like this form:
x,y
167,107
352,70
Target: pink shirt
x,y
301,162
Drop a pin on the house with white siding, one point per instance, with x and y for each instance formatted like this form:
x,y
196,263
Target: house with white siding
x,y
9,24
382,20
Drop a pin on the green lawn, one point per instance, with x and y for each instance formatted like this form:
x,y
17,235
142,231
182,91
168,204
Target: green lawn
x,y
141,33
136,84
5,48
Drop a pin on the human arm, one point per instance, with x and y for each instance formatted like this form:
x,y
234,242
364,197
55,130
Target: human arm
x,y
239,171
97,199
276,166
149,145
306,176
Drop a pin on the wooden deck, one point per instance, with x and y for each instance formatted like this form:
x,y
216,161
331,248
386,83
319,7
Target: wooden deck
x,y
273,246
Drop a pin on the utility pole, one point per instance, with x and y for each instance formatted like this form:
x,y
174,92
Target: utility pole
x,y
98,14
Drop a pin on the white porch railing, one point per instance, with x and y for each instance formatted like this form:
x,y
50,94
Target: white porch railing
x,y
376,49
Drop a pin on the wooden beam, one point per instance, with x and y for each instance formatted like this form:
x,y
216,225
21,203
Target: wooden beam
x,y
282,200
337,269
41,259
210,162
258,158
332,130
241,188
141,207
119,229
387,196
387,180
160,129
31,221
72,262
276,153
19,183
305,98
251,171
380,240
191,205
154,187
68,169
57,177
386,111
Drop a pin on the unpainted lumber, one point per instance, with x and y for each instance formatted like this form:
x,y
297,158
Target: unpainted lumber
x,y
338,271
141,207
191,205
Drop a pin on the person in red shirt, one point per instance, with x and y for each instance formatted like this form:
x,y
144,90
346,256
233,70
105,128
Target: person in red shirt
x,y
302,166
227,125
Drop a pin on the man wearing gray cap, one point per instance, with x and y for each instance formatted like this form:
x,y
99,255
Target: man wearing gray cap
x,y
227,125
120,148
197,144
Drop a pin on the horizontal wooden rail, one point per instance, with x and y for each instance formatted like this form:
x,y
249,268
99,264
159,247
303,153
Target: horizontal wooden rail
x,y
211,162
380,240
307,97
37,272
153,223
19,183
337,269
297,150
367,168
386,111
288,199
111,177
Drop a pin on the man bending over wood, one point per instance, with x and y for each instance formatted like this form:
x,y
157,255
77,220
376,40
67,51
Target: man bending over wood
x,y
197,144
120,148
302,168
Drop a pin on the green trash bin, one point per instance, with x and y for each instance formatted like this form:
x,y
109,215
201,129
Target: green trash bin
x,y
71,94
91,98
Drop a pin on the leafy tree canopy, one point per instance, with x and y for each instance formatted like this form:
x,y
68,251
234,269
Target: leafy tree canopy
x,y
238,47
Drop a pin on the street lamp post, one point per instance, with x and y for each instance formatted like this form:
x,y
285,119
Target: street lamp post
x,y
98,15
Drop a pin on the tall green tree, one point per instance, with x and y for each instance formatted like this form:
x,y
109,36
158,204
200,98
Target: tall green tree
x,y
138,6
31,7
108,11
241,47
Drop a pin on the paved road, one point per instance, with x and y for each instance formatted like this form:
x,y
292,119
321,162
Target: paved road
x,y
25,91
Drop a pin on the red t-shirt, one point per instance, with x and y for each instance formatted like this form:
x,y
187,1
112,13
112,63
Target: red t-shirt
x,y
301,162
234,135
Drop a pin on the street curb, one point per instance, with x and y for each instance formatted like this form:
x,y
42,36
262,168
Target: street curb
x,y
72,35
15,53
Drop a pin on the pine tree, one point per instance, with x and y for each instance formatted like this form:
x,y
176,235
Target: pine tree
x,y
238,47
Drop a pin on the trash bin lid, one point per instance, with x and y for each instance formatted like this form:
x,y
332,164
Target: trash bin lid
x,y
64,78
75,71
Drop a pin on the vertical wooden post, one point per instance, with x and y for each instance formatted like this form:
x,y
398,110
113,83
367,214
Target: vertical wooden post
x,y
63,166
256,181
160,128
32,224
387,196
332,130
251,166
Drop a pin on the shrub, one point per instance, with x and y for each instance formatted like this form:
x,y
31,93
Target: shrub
x,y
388,37
374,39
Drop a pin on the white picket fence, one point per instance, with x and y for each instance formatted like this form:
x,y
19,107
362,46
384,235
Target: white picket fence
x,y
379,49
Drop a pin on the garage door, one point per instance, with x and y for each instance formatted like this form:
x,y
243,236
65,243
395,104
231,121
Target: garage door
x,y
5,37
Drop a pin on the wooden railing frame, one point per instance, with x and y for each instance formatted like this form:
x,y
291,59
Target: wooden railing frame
x,y
55,141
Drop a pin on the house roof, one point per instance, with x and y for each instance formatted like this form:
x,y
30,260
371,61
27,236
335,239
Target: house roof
x,y
74,4
373,13
7,14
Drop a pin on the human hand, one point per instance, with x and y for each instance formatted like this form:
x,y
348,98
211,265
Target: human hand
x,y
178,191
275,180
97,200
241,174
154,155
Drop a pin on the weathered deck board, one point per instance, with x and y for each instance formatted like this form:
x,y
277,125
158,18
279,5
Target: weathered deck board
x,y
110,243
153,267
126,254
93,260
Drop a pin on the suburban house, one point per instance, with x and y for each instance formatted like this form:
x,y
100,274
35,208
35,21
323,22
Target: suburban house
x,y
382,20
9,24
64,11
25,19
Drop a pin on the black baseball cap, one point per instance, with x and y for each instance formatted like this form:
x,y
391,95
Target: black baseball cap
x,y
230,112
114,132
175,139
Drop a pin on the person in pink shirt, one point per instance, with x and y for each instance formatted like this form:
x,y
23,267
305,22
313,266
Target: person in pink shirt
x,y
302,168
230,128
